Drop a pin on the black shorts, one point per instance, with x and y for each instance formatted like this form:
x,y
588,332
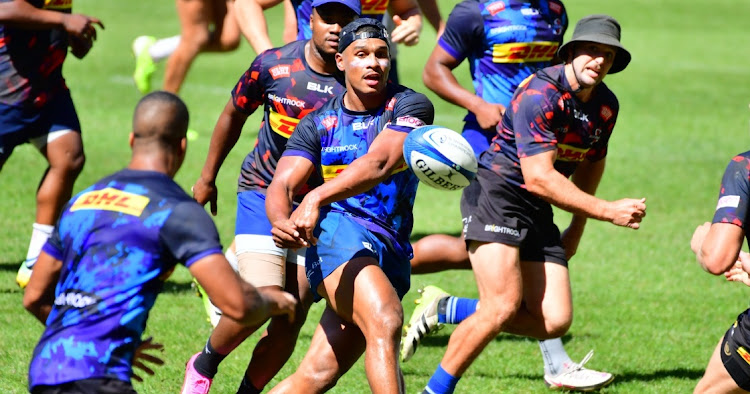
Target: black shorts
x,y
88,386
735,351
494,211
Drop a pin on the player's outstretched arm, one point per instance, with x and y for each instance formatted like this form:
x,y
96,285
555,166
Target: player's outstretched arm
x,y
237,299
544,181
40,292
717,246
226,133
253,24
291,174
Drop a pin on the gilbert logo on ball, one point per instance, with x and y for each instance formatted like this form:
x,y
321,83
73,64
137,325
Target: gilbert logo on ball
x,y
440,157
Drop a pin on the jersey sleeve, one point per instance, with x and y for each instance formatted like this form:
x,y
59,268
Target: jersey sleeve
x,y
53,246
411,110
532,124
249,92
190,234
305,141
463,30
735,192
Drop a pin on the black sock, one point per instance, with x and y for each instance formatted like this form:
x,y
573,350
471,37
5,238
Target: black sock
x,y
247,388
207,363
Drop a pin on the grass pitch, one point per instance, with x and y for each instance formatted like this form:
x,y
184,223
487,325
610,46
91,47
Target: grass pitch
x,y
652,315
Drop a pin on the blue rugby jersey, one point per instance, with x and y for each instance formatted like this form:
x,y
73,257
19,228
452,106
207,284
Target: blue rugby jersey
x,y
282,82
505,41
31,59
545,115
734,194
333,137
118,241
303,9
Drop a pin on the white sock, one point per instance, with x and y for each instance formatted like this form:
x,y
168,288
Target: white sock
x,y
232,258
163,47
39,236
554,356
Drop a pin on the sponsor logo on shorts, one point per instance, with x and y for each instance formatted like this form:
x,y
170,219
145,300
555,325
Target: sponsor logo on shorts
x,y
519,52
744,354
495,8
110,199
368,246
727,351
374,6
280,71
435,177
282,125
287,101
728,202
570,153
76,299
494,228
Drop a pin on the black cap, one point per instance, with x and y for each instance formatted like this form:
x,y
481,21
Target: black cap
x,y
349,32
602,29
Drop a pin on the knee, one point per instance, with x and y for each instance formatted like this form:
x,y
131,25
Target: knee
x,y
229,45
320,379
385,322
496,314
197,41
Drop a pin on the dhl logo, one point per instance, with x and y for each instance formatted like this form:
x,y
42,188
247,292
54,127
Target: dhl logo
x,y
570,153
374,6
332,171
744,354
110,199
519,52
282,125
58,4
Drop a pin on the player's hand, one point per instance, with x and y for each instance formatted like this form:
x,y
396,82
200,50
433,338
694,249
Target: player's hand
x,y
489,115
737,274
286,236
305,218
205,191
81,26
698,236
628,212
141,356
406,31
280,302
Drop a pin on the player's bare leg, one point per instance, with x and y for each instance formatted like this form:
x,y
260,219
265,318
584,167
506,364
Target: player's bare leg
x,y
66,158
439,252
716,378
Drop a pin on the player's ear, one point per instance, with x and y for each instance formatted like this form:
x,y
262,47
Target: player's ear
x,y
340,61
131,139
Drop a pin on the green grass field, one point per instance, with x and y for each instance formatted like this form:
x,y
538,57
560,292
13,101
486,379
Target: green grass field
x,y
642,302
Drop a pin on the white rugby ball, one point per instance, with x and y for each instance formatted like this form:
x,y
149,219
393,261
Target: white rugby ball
x,y
440,157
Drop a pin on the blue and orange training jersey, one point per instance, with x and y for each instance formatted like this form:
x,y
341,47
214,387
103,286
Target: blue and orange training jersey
x,y
504,41
545,115
31,59
734,195
333,137
303,9
281,81
118,241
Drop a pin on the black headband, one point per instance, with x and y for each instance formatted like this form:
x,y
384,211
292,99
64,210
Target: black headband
x,y
349,35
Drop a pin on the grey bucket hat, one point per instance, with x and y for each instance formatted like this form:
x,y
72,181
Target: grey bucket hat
x,y
602,29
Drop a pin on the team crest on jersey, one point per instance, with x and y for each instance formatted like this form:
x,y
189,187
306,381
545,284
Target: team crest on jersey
x,y
58,4
391,104
329,122
520,52
280,71
555,7
110,199
570,153
495,8
282,125
374,6
605,112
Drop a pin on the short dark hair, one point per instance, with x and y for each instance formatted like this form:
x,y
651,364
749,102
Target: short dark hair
x,y
160,117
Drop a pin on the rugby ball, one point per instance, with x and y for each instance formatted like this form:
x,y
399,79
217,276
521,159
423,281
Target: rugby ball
x,y
440,157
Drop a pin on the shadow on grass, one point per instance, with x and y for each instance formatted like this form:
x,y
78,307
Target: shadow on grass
x,y
11,266
680,373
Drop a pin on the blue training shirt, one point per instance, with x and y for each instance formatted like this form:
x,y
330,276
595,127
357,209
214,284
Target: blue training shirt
x,y
118,241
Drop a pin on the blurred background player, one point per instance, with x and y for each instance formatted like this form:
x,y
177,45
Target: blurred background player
x,y
92,296
35,103
504,46
717,247
206,26
358,252
517,253
288,83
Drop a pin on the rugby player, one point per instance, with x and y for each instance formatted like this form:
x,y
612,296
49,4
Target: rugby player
x,y
357,224
288,82
516,251
116,243
35,103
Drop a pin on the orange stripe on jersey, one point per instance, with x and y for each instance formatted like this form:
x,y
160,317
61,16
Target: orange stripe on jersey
x,y
570,153
110,199
282,125
374,6
58,4
520,52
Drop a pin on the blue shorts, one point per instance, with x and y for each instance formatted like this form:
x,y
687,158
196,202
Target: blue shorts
x,y
478,138
19,125
253,230
341,239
